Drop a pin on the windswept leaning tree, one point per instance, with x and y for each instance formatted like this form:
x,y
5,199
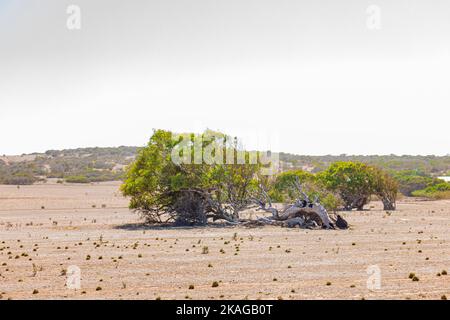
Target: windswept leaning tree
x,y
164,189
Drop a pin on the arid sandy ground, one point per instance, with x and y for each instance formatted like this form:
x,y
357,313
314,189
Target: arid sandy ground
x,y
56,226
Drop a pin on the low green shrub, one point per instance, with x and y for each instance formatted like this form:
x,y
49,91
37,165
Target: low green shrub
x,y
77,179
437,191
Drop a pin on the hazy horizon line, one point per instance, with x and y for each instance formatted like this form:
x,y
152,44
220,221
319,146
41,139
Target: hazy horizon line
x,y
285,152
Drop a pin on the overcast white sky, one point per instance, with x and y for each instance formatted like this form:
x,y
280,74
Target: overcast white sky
x,y
305,77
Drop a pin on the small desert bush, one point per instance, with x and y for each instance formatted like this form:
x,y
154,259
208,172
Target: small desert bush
x,y
436,192
77,179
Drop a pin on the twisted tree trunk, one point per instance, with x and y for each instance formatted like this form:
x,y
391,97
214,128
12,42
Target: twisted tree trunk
x,y
303,212
388,204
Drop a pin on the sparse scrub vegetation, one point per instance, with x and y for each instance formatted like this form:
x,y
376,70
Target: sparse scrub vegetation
x,y
436,191
84,165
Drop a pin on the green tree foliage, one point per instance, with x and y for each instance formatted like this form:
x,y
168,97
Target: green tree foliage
x,y
162,189
356,182
153,175
282,188
353,181
385,187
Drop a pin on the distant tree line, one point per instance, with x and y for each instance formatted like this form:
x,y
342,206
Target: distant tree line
x,y
414,175
74,166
